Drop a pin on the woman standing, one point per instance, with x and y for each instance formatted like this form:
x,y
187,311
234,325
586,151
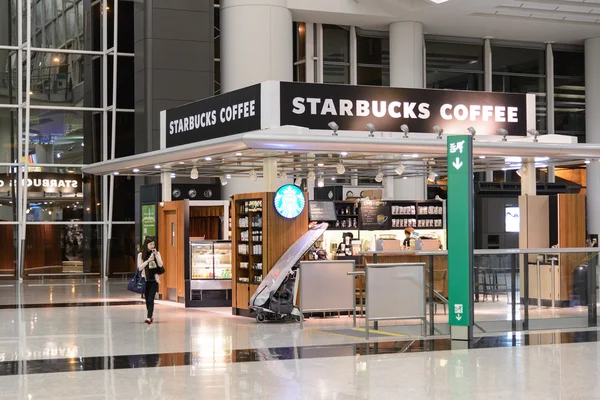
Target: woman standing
x,y
148,262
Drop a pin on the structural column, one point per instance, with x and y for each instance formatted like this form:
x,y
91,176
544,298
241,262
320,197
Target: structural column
x,y
256,42
407,70
592,127
488,86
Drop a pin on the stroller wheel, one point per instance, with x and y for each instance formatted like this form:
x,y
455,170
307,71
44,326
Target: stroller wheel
x,y
298,318
260,317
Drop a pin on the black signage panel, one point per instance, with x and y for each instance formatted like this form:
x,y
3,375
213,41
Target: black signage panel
x,y
375,215
43,182
219,116
352,107
322,211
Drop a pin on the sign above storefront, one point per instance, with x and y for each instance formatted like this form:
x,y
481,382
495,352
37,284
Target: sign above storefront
x,y
224,115
40,182
352,107
289,201
273,104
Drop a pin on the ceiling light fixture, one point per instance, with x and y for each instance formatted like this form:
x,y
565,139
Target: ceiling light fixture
x,y
521,171
400,170
116,173
208,158
321,181
224,181
311,176
228,176
253,175
472,131
334,127
371,129
438,129
320,165
431,177
194,172
136,170
379,177
173,175
587,161
404,128
158,166
504,134
238,154
282,175
343,154
298,181
339,168
482,157
534,133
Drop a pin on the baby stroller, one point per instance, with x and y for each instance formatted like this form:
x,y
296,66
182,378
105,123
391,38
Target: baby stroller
x,y
275,298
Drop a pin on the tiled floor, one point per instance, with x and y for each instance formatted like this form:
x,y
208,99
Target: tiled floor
x,y
98,335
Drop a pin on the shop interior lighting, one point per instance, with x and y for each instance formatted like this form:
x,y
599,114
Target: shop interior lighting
x,y
438,129
320,165
334,127
282,175
173,175
587,161
228,176
431,177
522,171
534,133
298,181
224,181
343,153
379,177
253,175
158,166
333,178
321,181
116,173
339,168
482,157
471,131
311,176
58,155
208,158
238,154
504,134
136,170
400,170
404,128
371,129
194,172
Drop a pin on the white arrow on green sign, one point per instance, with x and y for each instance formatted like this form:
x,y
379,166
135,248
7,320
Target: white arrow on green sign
x,y
460,235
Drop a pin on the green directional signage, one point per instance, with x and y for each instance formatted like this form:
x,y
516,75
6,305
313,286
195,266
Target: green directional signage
x,y
148,220
460,235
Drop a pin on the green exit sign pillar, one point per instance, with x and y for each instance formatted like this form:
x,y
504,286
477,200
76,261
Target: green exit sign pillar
x,y
460,236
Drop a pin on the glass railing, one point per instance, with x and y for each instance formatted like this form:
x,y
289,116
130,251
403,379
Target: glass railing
x,y
513,289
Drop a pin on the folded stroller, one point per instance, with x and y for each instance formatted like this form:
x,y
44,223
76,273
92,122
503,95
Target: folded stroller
x,y
275,298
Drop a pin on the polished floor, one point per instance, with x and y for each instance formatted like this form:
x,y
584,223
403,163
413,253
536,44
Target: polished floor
x,y
75,340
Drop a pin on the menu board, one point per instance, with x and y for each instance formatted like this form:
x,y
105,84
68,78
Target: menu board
x,y
322,211
375,215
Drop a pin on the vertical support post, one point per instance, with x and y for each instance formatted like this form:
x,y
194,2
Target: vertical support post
x,y
21,222
319,77
592,292
431,298
513,290
549,89
487,65
310,52
105,188
353,57
270,174
525,290
460,236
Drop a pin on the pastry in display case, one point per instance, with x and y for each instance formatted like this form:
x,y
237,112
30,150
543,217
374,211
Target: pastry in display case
x,y
210,264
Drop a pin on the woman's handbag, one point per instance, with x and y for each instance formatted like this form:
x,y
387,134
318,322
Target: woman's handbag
x,y
160,270
137,283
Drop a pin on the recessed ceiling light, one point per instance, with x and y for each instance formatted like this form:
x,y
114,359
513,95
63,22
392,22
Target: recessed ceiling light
x,y
415,156
238,154
157,166
438,1
208,158
116,173
321,165
343,154
181,162
135,170
587,161
482,157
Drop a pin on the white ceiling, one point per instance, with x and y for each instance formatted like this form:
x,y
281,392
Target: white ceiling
x,y
561,21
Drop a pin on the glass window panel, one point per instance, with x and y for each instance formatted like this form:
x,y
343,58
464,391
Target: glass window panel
x,y
336,74
300,73
8,194
217,77
9,83
60,31
375,76
49,10
8,135
459,56
299,41
56,136
50,39
518,84
56,79
454,80
372,51
125,85
569,104
569,63
125,198
72,32
63,248
123,255
336,44
518,60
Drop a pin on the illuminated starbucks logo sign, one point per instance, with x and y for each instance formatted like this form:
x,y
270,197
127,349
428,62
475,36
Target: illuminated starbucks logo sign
x,y
289,201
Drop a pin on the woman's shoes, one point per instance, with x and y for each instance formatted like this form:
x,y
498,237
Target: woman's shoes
x,y
148,321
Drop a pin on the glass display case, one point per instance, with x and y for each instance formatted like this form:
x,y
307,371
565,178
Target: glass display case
x,y
210,263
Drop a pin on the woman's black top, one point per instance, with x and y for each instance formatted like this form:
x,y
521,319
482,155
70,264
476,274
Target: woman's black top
x,y
151,269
